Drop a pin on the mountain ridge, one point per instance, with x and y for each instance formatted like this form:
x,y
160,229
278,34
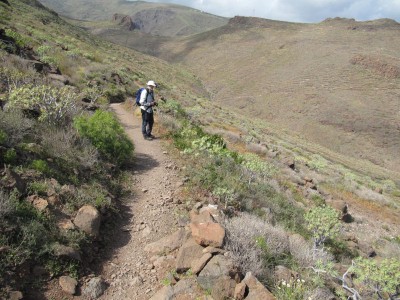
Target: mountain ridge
x,y
153,18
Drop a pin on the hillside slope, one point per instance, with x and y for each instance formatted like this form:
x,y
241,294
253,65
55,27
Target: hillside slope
x,y
153,18
336,83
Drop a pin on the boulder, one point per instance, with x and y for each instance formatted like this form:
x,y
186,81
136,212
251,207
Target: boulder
x,y
208,234
217,267
95,288
257,290
204,217
199,264
168,243
88,220
189,252
224,288
68,284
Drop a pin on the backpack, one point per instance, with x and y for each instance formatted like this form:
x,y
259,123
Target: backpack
x,y
138,93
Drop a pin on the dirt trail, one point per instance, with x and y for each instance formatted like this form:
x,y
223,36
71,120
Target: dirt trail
x,y
150,215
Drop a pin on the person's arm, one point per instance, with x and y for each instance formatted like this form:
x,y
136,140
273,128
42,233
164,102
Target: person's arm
x,y
143,97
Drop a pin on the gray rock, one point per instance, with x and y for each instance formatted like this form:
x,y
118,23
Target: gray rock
x,y
95,288
217,267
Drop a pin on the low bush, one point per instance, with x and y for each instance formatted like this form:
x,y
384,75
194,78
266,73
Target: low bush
x,y
107,135
55,106
15,127
40,165
256,245
69,150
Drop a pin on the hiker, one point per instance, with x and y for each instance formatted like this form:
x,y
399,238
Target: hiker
x,y
147,102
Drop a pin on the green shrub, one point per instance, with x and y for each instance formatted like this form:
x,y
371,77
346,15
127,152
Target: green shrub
x,y
256,168
38,187
92,194
107,135
317,162
382,278
44,50
10,156
173,107
318,200
55,105
323,222
20,41
40,165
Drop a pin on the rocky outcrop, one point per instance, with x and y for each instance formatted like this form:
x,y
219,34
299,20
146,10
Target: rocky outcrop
x,y
201,253
124,21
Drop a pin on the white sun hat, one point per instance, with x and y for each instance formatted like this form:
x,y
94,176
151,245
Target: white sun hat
x,y
151,83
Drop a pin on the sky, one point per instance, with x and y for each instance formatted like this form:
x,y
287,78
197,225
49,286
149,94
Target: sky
x,y
305,11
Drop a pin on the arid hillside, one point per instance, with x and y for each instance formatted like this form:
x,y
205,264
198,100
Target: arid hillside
x,y
151,18
335,84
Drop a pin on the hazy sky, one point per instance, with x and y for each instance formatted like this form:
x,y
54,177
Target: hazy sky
x,y
298,10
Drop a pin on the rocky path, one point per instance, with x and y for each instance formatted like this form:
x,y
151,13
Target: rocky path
x,y
150,214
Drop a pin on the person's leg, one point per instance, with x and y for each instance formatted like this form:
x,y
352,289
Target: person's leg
x,y
144,123
150,122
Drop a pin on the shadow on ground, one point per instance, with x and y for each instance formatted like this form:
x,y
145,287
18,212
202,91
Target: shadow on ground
x,y
115,233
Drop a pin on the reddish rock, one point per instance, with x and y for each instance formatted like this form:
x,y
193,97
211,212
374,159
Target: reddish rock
x,y
208,234
88,220
168,243
68,284
189,252
239,292
199,264
224,288
204,217
257,290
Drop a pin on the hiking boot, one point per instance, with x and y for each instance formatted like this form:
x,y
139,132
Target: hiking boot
x,y
147,137
152,136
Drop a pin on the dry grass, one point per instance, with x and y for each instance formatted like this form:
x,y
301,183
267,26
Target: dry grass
x,y
243,232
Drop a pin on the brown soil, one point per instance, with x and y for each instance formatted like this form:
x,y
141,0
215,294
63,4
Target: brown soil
x,y
152,215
